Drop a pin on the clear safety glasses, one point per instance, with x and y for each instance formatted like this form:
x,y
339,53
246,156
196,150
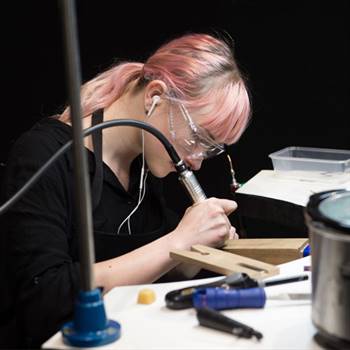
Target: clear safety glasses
x,y
194,140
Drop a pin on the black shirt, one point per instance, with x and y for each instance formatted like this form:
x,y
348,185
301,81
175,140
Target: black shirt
x,y
40,238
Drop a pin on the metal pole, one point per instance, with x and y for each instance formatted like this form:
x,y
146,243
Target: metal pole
x,y
81,175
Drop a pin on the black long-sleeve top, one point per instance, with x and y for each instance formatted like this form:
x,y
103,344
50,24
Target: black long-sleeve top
x,y
40,240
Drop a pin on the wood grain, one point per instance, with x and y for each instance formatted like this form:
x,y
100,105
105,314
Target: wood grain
x,y
223,262
270,250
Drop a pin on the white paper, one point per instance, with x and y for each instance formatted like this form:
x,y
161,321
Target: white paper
x,y
293,186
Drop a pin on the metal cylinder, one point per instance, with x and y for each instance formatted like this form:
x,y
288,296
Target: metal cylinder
x,y
81,174
327,217
192,186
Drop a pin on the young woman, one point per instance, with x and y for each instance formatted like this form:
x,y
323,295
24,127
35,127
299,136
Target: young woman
x,y
192,91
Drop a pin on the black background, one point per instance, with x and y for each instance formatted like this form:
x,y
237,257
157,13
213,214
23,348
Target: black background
x,y
294,53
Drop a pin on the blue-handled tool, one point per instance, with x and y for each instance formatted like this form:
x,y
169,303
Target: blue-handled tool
x,y
183,298
223,298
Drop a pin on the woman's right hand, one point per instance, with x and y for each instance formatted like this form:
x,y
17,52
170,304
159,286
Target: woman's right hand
x,y
206,223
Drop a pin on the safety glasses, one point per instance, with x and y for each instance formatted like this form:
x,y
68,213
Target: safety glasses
x,y
190,137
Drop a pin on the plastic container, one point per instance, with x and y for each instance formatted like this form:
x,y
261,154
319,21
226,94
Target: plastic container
x,y
311,159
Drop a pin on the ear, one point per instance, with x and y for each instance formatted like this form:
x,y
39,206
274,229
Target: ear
x,y
154,88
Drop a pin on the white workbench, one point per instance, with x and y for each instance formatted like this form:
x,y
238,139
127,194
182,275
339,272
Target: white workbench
x,y
285,324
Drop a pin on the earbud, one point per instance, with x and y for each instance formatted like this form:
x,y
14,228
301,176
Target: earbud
x,y
155,100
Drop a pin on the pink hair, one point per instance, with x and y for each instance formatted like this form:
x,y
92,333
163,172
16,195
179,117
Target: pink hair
x,y
107,87
198,69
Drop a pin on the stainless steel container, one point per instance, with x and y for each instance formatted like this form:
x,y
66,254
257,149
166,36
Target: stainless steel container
x,y
328,220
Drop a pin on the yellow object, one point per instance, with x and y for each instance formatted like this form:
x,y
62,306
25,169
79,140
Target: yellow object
x,y
146,296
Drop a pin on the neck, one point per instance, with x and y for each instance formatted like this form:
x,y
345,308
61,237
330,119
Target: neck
x,y
121,144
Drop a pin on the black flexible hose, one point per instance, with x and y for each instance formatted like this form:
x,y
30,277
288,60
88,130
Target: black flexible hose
x,y
108,124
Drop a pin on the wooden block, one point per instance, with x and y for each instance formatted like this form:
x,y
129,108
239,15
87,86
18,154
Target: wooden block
x,y
270,250
224,262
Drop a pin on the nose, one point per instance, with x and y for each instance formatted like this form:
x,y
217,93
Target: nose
x,y
194,164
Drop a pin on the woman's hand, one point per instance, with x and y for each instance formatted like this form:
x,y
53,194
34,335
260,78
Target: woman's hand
x,y
205,223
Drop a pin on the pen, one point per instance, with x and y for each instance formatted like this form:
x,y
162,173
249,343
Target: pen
x,y
290,279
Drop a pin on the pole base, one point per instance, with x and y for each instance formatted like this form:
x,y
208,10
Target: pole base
x,y
90,326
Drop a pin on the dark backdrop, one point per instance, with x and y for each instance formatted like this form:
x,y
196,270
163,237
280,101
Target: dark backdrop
x,y
294,53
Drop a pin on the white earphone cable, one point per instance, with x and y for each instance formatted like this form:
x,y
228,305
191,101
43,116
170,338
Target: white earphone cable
x,y
143,176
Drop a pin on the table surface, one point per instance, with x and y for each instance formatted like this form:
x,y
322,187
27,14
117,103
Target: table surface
x,y
285,324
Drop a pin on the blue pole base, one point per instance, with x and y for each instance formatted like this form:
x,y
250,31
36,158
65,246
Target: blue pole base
x,y
90,326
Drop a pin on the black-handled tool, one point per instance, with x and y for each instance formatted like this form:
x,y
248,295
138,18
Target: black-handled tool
x,y
214,319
